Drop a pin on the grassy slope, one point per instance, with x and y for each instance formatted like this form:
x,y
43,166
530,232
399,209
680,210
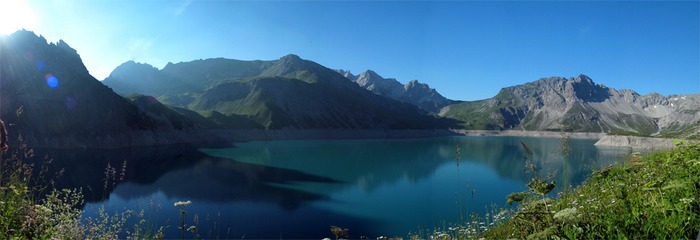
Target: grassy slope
x,y
656,196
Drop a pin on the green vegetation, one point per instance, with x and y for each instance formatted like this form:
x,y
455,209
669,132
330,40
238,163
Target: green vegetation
x,y
655,196
32,208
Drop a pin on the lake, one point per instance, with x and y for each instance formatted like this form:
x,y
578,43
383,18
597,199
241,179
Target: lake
x,y
298,189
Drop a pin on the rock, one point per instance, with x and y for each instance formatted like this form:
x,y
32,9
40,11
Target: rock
x,y
636,142
413,92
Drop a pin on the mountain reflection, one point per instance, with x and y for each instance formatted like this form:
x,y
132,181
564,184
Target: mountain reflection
x,y
300,187
370,164
177,170
506,157
289,173
222,180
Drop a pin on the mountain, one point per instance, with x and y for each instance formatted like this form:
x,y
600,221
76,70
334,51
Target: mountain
x,y
64,106
131,77
578,104
288,93
413,92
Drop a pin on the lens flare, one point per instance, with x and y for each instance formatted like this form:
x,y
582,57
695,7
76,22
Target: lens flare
x,y
51,81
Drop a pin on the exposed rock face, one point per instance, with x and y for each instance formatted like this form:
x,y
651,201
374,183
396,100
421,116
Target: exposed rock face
x,y
636,142
413,92
578,104
63,106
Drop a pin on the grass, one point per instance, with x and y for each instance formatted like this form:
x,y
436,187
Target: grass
x,y
655,196
32,208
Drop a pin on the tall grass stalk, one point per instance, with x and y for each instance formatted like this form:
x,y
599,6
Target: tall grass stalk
x,y
565,145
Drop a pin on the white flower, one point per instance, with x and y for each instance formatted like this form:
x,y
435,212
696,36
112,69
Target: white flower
x,y
566,215
182,204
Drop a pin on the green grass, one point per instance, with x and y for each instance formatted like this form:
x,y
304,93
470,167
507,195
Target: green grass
x,y
656,196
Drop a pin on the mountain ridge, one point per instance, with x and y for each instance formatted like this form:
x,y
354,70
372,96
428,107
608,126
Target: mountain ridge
x,y
290,92
63,105
414,92
578,104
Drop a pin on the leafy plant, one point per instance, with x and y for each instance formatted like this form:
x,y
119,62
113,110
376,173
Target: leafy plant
x,y
650,197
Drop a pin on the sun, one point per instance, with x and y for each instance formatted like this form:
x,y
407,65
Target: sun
x,y
15,15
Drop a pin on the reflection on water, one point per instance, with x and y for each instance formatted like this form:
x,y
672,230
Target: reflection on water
x,y
297,189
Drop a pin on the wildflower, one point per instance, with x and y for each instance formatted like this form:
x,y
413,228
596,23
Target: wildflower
x,y
687,200
566,215
182,204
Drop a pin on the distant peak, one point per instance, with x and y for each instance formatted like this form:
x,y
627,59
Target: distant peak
x,y
291,60
370,74
347,74
134,63
584,78
291,57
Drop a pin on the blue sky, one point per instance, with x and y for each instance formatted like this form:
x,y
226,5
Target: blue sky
x,y
467,50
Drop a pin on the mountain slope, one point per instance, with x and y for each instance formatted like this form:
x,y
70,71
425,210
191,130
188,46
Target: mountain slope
x,y
131,77
281,94
63,106
413,92
578,104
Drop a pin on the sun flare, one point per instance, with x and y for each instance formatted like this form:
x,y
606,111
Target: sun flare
x,y
15,15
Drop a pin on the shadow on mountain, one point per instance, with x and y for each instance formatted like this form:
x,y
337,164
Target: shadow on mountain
x,y
587,91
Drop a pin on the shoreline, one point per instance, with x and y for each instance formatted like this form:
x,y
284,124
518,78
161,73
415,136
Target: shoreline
x,y
521,133
604,140
218,136
264,135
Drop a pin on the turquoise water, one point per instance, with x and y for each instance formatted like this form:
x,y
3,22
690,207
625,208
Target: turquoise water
x,y
298,189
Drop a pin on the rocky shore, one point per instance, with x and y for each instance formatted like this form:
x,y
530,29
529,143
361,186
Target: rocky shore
x,y
636,142
518,133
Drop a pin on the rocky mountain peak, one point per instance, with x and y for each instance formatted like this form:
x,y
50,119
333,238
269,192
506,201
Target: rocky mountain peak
x,y
413,92
583,79
347,74
369,76
290,59
412,83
